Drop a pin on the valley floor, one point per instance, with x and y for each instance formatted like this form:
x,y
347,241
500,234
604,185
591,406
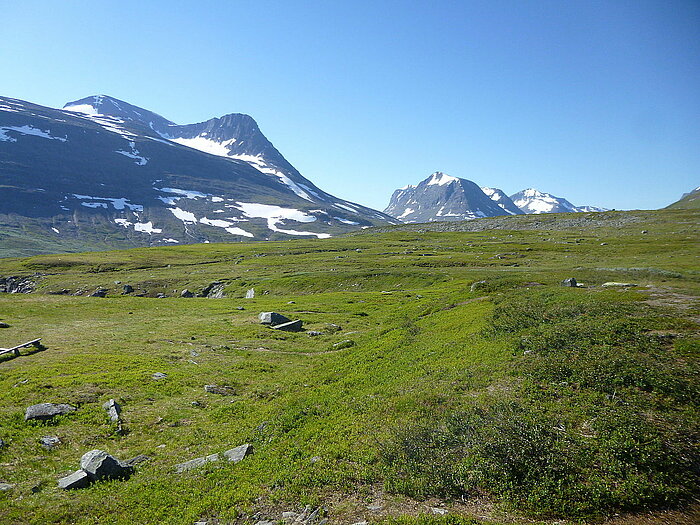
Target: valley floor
x,y
453,379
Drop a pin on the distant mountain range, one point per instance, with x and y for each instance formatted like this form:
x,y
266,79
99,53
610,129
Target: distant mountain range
x,y
441,197
103,173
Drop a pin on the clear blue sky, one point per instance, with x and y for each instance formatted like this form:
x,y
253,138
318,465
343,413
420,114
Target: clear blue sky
x,y
595,101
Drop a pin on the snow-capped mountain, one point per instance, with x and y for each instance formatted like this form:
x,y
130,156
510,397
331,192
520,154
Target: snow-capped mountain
x,y
535,201
500,198
104,173
441,197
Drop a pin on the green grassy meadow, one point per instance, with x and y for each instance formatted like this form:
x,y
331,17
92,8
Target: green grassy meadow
x,y
512,400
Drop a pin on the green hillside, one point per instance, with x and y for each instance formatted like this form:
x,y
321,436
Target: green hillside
x,y
689,201
452,372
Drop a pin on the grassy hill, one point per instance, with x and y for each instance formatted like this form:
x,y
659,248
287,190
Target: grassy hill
x,y
474,382
689,201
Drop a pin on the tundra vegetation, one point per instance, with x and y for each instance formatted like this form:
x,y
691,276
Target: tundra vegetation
x,y
475,382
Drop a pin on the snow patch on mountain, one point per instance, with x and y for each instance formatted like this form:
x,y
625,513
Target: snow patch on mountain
x,y
277,214
441,179
118,203
204,144
27,130
134,154
185,216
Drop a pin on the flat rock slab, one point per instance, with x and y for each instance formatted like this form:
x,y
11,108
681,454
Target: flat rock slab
x,y
4,487
292,326
612,284
46,411
195,463
78,480
237,454
273,318
100,465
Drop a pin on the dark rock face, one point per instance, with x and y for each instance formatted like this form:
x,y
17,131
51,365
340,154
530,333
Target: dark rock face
x,y
46,411
186,293
442,198
214,290
100,465
499,197
273,318
100,292
127,289
77,480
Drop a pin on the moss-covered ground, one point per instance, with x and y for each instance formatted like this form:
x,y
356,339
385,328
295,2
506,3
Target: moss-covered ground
x,y
476,382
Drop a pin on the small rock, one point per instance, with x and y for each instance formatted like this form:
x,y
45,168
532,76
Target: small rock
x,y
239,308
4,487
264,522
195,463
250,294
78,480
4,325
613,284
333,328
291,326
375,507
438,511
645,231
290,516
50,442
141,458
315,459
100,465
603,243
221,390
571,282
347,343
127,289
159,375
46,411
186,293
196,404
100,292
161,296
291,302
237,454
273,318
313,333
113,410
2,443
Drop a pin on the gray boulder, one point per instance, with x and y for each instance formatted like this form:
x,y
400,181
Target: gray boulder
x,y
250,294
113,410
213,290
100,292
46,411
237,454
100,465
186,293
50,442
127,289
4,325
571,282
159,375
273,318
195,463
78,480
4,487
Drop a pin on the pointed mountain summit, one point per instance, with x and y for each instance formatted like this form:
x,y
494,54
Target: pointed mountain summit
x,y
441,197
535,201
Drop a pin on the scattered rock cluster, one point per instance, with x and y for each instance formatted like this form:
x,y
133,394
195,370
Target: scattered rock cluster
x,y
16,285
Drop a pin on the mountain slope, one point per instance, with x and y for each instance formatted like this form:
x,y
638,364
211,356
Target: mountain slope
x,y
535,201
499,197
442,198
690,200
103,173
